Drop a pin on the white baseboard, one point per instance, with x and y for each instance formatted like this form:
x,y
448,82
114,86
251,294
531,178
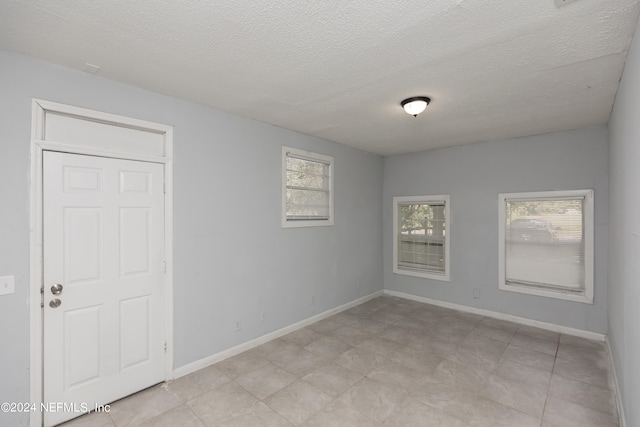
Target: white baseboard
x,y
501,316
218,357
616,387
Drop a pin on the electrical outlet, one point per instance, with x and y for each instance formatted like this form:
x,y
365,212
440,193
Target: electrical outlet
x,y
7,285
237,328
476,293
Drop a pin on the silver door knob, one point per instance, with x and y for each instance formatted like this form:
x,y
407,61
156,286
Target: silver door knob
x,y
56,289
55,303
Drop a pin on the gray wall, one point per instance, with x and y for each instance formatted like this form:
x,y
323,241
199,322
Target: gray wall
x,y
624,234
473,175
233,261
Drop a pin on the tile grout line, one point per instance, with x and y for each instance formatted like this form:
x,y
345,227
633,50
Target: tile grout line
x,y
546,398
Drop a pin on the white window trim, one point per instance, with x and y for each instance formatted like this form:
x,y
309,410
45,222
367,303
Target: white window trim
x,y
446,276
314,157
585,297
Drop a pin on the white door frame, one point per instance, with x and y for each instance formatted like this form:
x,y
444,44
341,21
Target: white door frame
x,y
38,144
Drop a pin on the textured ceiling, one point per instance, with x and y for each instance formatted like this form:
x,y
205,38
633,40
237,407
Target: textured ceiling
x,y
338,69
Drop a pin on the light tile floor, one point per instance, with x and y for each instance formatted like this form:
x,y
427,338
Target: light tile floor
x,y
390,362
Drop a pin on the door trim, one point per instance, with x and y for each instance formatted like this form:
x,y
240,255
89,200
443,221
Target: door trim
x,y
38,144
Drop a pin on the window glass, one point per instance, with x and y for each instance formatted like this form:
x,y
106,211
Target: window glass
x,y
307,188
421,236
547,244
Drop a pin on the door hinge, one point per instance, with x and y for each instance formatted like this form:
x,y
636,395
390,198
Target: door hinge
x,y
165,346
164,187
42,296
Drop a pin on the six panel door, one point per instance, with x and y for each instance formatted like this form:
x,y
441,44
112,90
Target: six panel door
x,y
104,290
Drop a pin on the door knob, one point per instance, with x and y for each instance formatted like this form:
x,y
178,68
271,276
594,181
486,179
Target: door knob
x,y
55,303
56,289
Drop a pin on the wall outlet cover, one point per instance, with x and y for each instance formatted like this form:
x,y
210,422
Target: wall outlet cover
x,y
7,285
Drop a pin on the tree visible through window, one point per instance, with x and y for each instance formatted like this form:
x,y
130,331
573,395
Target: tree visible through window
x,y
421,243
307,188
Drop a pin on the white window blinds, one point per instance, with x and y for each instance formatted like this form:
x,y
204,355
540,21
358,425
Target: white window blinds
x,y
308,187
421,236
421,231
545,243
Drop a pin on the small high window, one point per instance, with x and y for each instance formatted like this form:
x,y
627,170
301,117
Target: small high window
x,y
307,188
546,244
421,236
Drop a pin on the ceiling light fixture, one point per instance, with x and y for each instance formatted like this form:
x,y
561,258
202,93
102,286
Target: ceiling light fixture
x,y
415,105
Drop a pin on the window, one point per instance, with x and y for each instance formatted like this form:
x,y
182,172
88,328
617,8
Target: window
x,y
307,188
421,230
546,244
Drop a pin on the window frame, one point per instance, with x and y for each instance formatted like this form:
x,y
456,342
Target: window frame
x,y
585,296
315,157
425,274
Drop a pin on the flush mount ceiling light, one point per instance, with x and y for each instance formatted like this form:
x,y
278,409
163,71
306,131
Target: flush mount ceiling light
x,y
415,105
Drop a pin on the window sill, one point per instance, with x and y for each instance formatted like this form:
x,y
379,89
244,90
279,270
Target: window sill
x,y
422,274
549,293
312,223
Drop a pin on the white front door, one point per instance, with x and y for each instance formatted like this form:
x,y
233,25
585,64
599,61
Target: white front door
x,y
103,229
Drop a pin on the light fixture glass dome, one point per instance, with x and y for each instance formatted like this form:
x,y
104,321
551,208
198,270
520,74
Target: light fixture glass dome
x,y
415,105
